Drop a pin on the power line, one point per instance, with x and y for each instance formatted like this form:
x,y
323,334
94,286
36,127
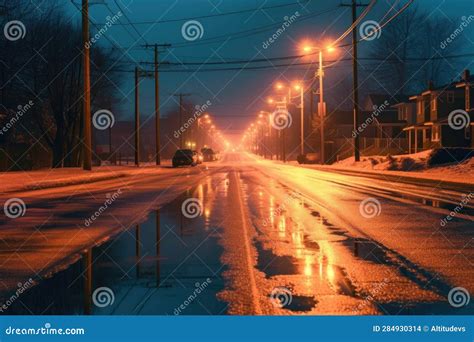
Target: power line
x,y
128,19
250,32
262,60
274,66
96,26
214,15
245,33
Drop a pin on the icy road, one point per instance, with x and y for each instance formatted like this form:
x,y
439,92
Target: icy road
x,y
240,236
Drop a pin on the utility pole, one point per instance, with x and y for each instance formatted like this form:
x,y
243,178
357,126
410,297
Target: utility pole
x,y
157,100
86,99
157,110
302,120
322,107
181,95
181,119
137,120
355,77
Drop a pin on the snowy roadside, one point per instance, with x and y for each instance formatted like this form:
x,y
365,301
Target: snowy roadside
x,y
18,181
415,165
403,167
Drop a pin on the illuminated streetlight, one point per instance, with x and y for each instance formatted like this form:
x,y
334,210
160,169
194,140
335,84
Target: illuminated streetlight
x,y
307,48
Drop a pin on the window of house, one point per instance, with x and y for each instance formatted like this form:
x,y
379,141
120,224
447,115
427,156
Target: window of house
x,y
419,107
450,96
403,114
435,133
434,103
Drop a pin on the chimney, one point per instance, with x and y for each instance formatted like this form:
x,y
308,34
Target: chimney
x,y
466,75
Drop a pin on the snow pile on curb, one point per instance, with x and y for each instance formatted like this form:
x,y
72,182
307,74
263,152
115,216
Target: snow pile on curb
x,y
409,162
436,160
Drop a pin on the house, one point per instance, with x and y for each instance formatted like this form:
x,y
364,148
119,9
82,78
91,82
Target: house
x,y
430,125
380,128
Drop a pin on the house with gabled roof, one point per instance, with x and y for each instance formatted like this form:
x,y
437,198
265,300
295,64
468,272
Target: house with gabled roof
x,y
437,111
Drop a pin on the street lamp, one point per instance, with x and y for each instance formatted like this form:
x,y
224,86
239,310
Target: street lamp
x,y
322,106
299,87
267,123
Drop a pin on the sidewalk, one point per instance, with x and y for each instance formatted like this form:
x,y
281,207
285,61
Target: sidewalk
x,y
452,175
52,178
434,177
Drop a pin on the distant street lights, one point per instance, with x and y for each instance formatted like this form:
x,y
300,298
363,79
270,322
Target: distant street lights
x,y
299,87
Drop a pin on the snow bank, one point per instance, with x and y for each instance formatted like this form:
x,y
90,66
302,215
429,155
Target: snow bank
x,y
432,164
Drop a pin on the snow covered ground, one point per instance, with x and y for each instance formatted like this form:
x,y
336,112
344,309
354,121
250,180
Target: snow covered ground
x,y
50,178
412,166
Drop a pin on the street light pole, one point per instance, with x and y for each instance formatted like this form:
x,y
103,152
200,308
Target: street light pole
x,y
355,91
137,120
157,110
302,120
322,108
86,100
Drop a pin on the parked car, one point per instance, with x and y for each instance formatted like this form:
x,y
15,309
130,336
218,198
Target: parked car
x,y
209,154
185,157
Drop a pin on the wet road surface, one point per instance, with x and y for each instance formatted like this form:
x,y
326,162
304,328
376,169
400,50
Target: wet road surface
x,y
265,238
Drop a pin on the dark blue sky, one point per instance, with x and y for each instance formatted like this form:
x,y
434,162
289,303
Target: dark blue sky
x,y
235,92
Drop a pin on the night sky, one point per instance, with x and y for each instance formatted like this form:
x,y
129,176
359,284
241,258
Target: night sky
x,y
235,93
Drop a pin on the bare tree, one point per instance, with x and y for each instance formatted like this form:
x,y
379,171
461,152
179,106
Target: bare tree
x,y
46,67
409,52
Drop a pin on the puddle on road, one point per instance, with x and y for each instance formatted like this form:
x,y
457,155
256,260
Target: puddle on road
x,y
286,253
272,264
366,250
168,264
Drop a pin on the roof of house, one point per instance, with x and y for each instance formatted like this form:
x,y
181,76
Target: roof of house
x,y
449,86
378,99
344,117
